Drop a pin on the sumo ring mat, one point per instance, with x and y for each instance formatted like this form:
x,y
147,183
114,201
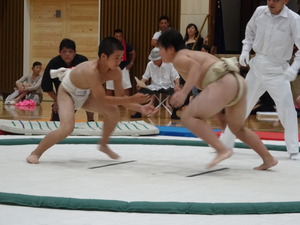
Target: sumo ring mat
x,y
161,175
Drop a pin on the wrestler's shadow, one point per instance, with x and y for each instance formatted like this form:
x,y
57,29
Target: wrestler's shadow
x,y
77,163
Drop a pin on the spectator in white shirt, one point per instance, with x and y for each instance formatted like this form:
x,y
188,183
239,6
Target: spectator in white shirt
x,y
164,78
164,25
271,33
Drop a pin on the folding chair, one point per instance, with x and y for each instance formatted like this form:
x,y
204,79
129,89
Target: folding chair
x,y
162,99
161,95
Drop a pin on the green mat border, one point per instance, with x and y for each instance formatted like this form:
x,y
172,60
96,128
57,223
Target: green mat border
x,y
149,207
130,141
144,206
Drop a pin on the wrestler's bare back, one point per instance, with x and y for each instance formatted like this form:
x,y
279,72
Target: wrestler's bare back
x,y
196,63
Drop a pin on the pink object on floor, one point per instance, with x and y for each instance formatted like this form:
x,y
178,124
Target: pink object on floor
x,y
29,102
26,105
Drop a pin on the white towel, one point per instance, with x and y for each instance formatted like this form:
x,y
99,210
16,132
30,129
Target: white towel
x,y
59,73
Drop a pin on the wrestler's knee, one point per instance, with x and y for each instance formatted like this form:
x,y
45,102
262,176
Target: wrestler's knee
x,y
66,129
185,118
237,131
113,111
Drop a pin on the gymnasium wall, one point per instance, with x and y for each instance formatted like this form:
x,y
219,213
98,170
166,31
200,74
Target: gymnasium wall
x,y
194,11
11,43
42,24
139,21
30,33
51,21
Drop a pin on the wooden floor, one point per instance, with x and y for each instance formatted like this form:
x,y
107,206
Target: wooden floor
x,y
162,118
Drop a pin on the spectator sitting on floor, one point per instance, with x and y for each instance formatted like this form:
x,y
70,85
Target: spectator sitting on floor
x,y
164,78
28,87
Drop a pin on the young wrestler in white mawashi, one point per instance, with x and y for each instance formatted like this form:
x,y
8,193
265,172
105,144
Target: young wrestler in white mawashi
x,y
83,87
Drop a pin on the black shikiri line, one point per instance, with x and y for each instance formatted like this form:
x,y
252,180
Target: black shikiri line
x,y
112,164
209,171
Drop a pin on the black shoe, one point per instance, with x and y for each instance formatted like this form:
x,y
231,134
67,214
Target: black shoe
x,y
136,115
175,117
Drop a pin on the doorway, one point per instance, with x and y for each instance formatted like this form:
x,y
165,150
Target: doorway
x,y
51,21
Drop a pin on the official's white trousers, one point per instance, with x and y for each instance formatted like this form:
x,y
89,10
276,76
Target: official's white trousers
x,y
126,82
265,75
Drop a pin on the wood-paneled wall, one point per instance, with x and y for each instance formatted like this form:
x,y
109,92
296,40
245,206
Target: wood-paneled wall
x,y
78,21
11,43
139,20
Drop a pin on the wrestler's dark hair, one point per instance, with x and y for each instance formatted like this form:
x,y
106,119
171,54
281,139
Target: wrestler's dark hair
x,y
118,31
164,18
67,43
171,38
36,63
109,45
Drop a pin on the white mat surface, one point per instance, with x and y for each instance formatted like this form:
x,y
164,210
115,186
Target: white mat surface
x,y
159,173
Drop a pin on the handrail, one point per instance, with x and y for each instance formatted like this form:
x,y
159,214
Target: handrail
x,y
200,30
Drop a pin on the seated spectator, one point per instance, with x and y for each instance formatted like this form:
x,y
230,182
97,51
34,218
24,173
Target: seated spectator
x,y
193,41
67,58
28,87
163,78
192,38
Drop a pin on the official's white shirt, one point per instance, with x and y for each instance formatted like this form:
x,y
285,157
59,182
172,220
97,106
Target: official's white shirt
x,y
161,76
273,35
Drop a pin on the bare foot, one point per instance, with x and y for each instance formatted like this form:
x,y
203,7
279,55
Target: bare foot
x,y
220,157
109,152
33,159
267,164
